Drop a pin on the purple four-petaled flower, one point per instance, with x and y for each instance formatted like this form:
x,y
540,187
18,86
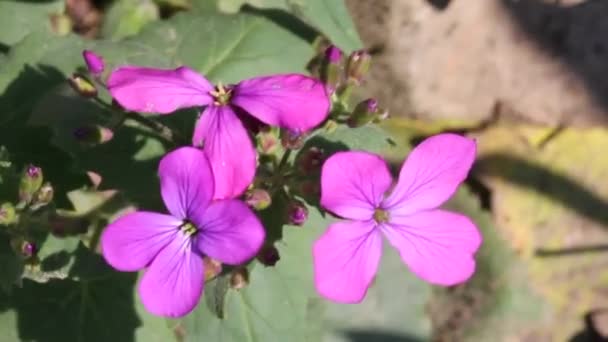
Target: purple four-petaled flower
x,y
292,101
171,247
437,245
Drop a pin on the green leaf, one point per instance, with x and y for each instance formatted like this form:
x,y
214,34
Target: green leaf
x,y
100,307
330,17
125,18
18,18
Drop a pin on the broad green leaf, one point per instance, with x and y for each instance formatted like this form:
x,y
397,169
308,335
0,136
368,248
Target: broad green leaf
x,y
18,18
101,306
125,18
328,16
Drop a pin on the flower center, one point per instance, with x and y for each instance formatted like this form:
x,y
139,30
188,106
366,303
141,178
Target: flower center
x,y
221,95
188,228
381,215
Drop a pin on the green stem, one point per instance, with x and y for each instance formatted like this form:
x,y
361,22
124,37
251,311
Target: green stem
x,y
163,131
96,235
283,161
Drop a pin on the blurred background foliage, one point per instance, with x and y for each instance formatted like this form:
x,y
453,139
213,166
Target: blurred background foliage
x,y
537,191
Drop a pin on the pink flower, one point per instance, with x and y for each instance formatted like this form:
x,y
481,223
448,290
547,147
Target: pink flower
x,y
95,63
171,247
437,245
293,101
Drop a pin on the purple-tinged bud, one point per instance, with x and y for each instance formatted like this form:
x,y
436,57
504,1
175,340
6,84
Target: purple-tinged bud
x,y
268,255
31,181
364,113
292,140
8,214
297,213
332,68
93,135
239,278
358,65
268,141
310,161
258,199
309,189
95,63
28,249
212,268
82,86
333,55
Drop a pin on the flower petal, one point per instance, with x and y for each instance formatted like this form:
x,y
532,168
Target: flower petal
x,y
229,148
131,242
437,245
353,184
229,232
292,101
431,173
162,91
173,284
186,181
345,260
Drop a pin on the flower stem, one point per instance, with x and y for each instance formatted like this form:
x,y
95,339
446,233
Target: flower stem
x,y
162,130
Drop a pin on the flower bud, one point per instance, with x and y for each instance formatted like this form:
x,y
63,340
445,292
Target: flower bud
x,y
330,126
82,86
309,189
297,213
358,65
292,140
364,113
94,62
332,67
8,214
258,199
212,268
28,249
93,134
31,181
267,141
268,255
310,161
44,195
239,278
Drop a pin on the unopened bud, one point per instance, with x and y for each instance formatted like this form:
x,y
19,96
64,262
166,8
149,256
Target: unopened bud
x,y
268,255
330,126
82,86
212,268
28,249
332,68
93,134
364,113
95,63
309,189
8,215
239,278
268,141
258,199
31,181
310,161
297,213
44,195
358,65
292,140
